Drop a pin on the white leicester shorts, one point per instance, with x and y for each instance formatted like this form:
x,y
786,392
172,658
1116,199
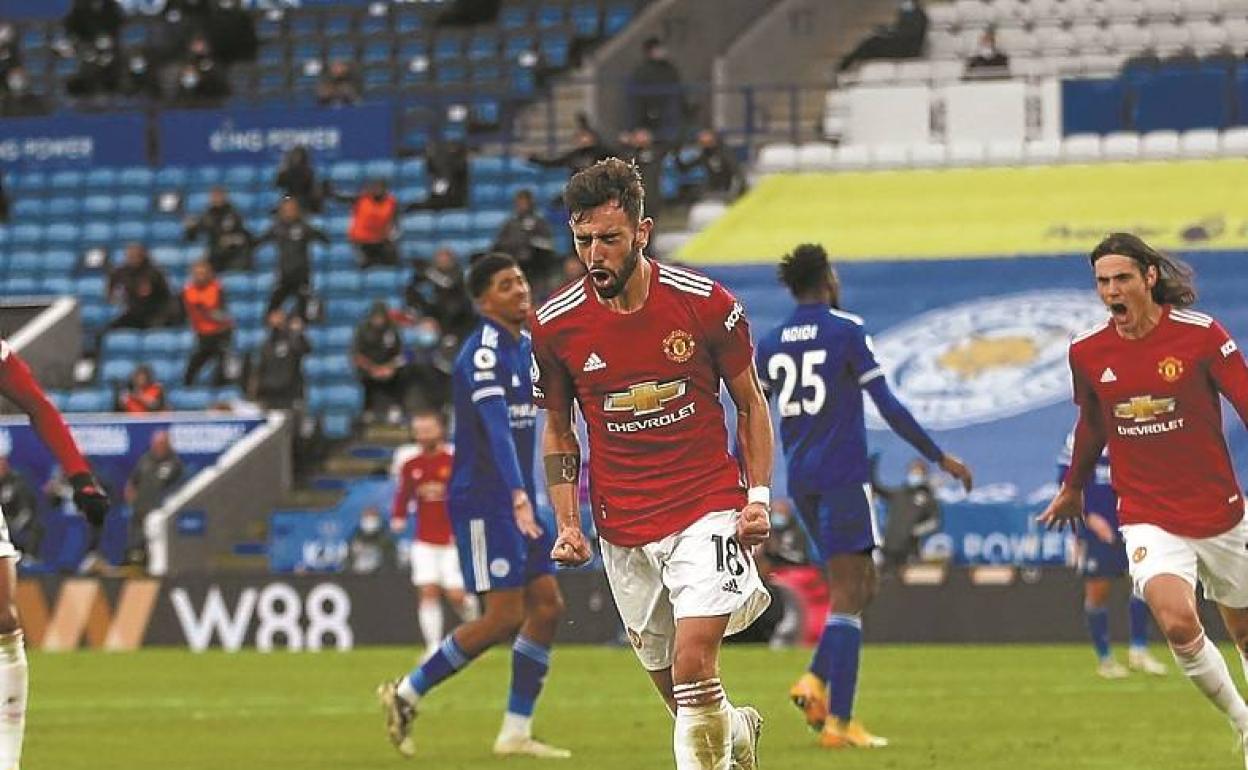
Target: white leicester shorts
x,y
700,571
1219,562
436,565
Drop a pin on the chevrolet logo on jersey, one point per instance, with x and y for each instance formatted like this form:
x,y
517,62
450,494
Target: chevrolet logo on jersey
x,y
1143,408
646,397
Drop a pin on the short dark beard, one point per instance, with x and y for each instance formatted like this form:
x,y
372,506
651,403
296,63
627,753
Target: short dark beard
x,y
626,271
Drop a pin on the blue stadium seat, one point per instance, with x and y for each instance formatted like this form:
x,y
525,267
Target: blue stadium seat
x,y
306,50
488,195
165,231
342,49
378,52
585,20
382,168
616,18
117,369
488,167
97,234
271,55
489,220
383,281
518,43
339,336
549,16
99,205
483,46
63,207
171,176
555,50
270,27
59,261
122,342
239,176
89,286
29,181
337,426
56,285
378,77
249,339
250,313
420,222
94,316
453,222
27,209
448,46
167,370
374,25
238,285
205,176
102,179
132,230
318,337
338,24
164,342
406,22
61,234
135,179
347,172
451,73
347,311
348,398
134,204
66,180
303,25
190,399
20,285
342,282
95,400
513,17
25,263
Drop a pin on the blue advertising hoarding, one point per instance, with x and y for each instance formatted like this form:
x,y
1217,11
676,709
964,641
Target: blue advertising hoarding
x,y
73,141
189,137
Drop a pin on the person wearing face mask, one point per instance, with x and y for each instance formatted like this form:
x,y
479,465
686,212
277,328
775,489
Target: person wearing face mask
x,y
371,548
436,290
19,100
913,513
817,364
229,241
100,69
10,55
527,237
88,18
377,354
201,81
158,471
277,379
374,212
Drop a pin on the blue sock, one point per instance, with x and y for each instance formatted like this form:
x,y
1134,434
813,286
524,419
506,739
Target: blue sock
x,y
821,663
843,636
1098,628
449,659
529,663
1139,613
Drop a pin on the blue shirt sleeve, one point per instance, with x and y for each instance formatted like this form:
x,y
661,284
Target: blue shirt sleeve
x,y
900,420
489,398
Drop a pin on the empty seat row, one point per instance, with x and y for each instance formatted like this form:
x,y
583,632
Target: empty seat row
x,y
977,13
1118,37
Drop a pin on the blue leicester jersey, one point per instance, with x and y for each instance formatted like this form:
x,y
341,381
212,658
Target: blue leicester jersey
x,y
495,421
1098,493
816,365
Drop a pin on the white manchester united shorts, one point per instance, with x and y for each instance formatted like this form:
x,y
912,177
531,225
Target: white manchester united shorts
x,y
436,565
7,549
1219,562
700,571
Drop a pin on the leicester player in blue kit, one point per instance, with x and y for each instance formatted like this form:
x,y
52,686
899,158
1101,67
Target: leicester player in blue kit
x,y
1102,559
816,364
504,551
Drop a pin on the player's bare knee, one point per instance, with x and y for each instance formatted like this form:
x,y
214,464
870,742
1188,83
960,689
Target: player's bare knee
x,y
548,612
1183,631
693,665
9,621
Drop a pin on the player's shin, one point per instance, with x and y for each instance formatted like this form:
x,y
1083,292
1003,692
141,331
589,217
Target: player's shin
x,y
13,684
844,634
530,662
443,664
1207,669
703,734
429,615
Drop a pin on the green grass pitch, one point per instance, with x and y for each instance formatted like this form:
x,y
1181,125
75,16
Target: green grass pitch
x,y
964,707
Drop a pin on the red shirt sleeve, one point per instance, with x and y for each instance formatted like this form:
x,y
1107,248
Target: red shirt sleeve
x,y
552,384
403,494
1089,430
728,331
19,386
1228,370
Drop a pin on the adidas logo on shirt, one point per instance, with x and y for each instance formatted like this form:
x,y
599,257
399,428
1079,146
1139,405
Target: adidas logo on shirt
x,y
1108,375
594,363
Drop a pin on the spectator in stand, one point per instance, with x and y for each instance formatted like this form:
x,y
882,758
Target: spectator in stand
x,y
374,211
10,54
654,92
297,179
141,78
427,385
201,80
371,548
157,473
723,175
903,39
587,151
377,354
142,394
988,56
340,85
229,242
293,238
448,178
639,147
19,100
468,13
913,513
88,19
142,290
21,511
528,238
277,377
204,300
436,290
231,31
100,69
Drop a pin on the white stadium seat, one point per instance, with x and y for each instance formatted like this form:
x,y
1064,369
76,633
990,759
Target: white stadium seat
x,y
947,71
928,155
1125,10
1004,153
911,72
973,13
816,156
1081,148
1162,10
1193,10
1130,37
1054,41
1091,36
703,213
1015,41
889,155
944,44
1121,145
1234,141
1008,12
1103,64
1208,37
1171,38
1042,152
850,157
1199,143
777,158
877,73
1159,145
966,153
942,16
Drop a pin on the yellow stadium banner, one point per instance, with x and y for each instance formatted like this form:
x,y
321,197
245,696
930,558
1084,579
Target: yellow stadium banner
x,y
983,212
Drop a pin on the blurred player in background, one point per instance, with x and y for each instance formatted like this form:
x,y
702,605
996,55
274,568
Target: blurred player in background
x,y
642,348
503,550
18,385
1147,383
816,364
423,479
1102,558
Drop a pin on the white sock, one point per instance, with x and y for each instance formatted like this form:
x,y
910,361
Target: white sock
x,y
469,609
407,692
429,615
13,682
741,734
703,737
516,725
1207,669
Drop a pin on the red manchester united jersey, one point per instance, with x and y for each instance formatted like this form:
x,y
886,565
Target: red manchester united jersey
x,y
1158,400
423,480
648,385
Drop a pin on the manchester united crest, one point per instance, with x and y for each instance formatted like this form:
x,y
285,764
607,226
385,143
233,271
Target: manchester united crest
x,y
1138,555
679,346
1170,368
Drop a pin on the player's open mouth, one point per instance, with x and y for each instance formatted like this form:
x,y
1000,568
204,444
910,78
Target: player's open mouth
x,y
601,277
1118,310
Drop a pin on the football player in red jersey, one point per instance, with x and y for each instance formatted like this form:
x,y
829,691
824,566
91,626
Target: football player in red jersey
x,y
422,487
642,348
18,385
1148,384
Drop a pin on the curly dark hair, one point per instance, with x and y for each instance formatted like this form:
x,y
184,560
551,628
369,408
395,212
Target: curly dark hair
x,y
610,179
1175,278
482,271
804,269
